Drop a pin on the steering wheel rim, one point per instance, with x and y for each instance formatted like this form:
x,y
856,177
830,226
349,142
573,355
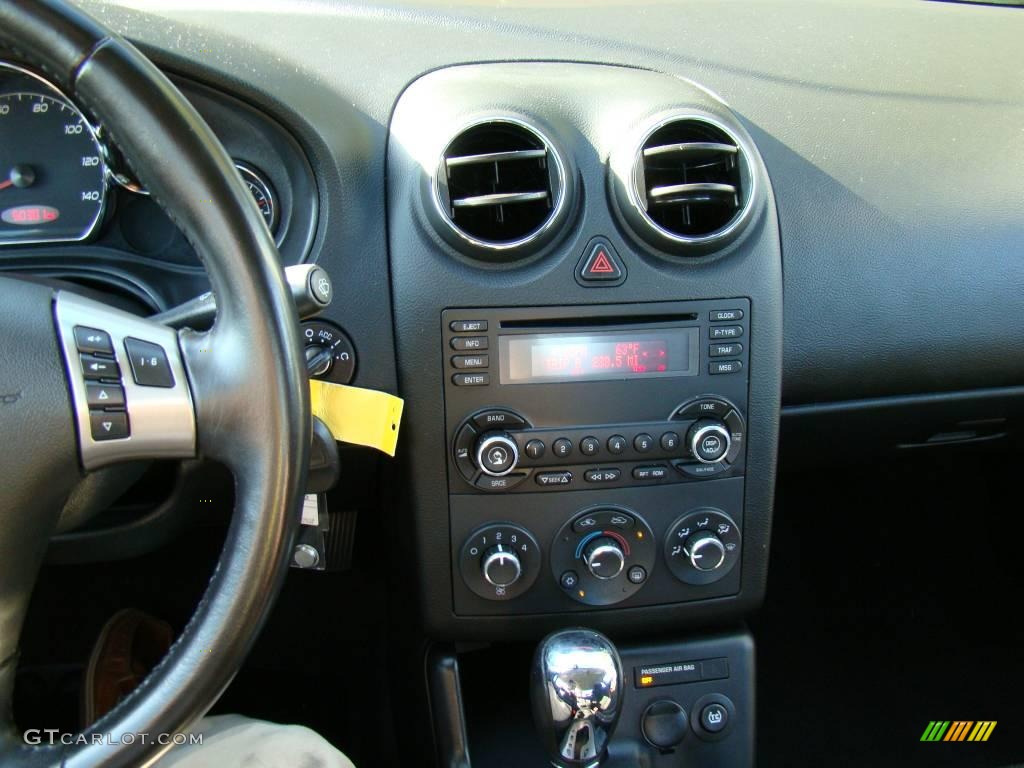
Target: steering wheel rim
x,y
257,424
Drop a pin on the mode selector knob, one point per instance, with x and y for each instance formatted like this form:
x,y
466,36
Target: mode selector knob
x,y
604,558
501,567
709,441
496,454
705,551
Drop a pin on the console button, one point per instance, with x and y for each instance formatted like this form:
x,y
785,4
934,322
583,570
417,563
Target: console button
x,y
602,475
616,444
637,574
149,363
499,420
725,350
554,478
725,331
93,341
669,441
535,449
569,580
104,395
562,447
724,366
471,379
471,361
106,425
487,483
468,326
98,368
657,472
726,315
714,718
589,446
643,443
664,724
469,343
587,523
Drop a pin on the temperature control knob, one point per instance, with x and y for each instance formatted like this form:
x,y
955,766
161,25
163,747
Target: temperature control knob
x,y
496,454
709,441
705,551
604,558
500,566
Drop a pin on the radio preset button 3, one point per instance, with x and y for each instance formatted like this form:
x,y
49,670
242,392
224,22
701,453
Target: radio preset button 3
x,y
589,446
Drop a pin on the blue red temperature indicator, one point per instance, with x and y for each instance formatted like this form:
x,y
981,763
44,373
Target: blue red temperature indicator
x,y
30,215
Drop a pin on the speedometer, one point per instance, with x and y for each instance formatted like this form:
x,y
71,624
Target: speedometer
x,y
52,172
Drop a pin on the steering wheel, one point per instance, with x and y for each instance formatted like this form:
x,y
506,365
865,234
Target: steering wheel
x,y
237,394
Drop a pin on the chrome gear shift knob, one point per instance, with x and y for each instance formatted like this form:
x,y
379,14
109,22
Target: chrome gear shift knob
x,y
576,689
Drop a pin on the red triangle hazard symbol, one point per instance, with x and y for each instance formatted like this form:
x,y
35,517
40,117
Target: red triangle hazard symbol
x,y
602,264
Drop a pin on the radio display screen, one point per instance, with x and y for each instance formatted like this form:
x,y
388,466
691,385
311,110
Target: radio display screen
x,y
554,357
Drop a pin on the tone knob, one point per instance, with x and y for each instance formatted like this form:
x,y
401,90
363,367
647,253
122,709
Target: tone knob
x,y
496,454
603,558
705,550
709,441
501,567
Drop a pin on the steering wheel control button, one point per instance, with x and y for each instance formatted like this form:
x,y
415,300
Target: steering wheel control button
x,y
725,315
669,441
497,454
469,343
468,326
616,444
500,561
637,574
93,341
535,449
702,547
104,396
96,368
602,475
554,478
471,379
108,425
664,724
562,447
600,265
470,361
714,718
725,332
149,363
719,367
643,443
725,350
657,472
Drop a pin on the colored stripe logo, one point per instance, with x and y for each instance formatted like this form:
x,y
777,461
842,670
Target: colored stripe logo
x,y
958,730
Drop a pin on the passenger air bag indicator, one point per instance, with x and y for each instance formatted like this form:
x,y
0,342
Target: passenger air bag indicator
x,y
676,672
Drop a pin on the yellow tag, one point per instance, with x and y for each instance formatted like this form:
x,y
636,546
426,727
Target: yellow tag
x,y
360,416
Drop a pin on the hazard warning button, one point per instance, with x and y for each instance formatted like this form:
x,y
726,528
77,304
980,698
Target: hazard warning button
x,y
600,265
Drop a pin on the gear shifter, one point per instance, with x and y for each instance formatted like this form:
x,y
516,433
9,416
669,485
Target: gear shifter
x,y
576,690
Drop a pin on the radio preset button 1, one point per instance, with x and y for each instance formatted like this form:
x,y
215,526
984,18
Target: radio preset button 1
x,y
725,350
535,449
469,343
562,447
589,446
471,379
669,441
726,332
554,478
602,475
470,361
726,315
616,444
468,326
724,366
643,443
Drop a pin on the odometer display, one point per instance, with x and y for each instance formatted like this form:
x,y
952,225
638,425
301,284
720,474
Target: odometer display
x,y
52,174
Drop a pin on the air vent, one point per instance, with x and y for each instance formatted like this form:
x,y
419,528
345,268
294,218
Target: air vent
x,y
499,185
690,180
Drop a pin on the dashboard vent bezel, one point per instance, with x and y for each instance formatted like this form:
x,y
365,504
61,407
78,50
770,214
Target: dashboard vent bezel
x,y
744,184
556,191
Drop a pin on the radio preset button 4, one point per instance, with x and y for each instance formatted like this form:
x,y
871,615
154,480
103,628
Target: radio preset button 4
x,y
616,444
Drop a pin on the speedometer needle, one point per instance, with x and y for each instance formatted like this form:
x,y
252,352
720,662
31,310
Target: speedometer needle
x,y
6,184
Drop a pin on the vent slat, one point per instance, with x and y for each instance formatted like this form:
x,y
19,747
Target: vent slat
x,y
691,147
692,193
503,198
497,157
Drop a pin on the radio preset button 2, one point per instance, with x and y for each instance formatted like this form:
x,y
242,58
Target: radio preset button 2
x,y
726,332
589,446
562,447
469,343
535,448
643,443
616,444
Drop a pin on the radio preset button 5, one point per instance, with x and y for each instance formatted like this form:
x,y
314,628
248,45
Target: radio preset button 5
x,y
643,443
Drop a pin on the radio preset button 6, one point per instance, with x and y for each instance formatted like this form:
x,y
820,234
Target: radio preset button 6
x,y
709,441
